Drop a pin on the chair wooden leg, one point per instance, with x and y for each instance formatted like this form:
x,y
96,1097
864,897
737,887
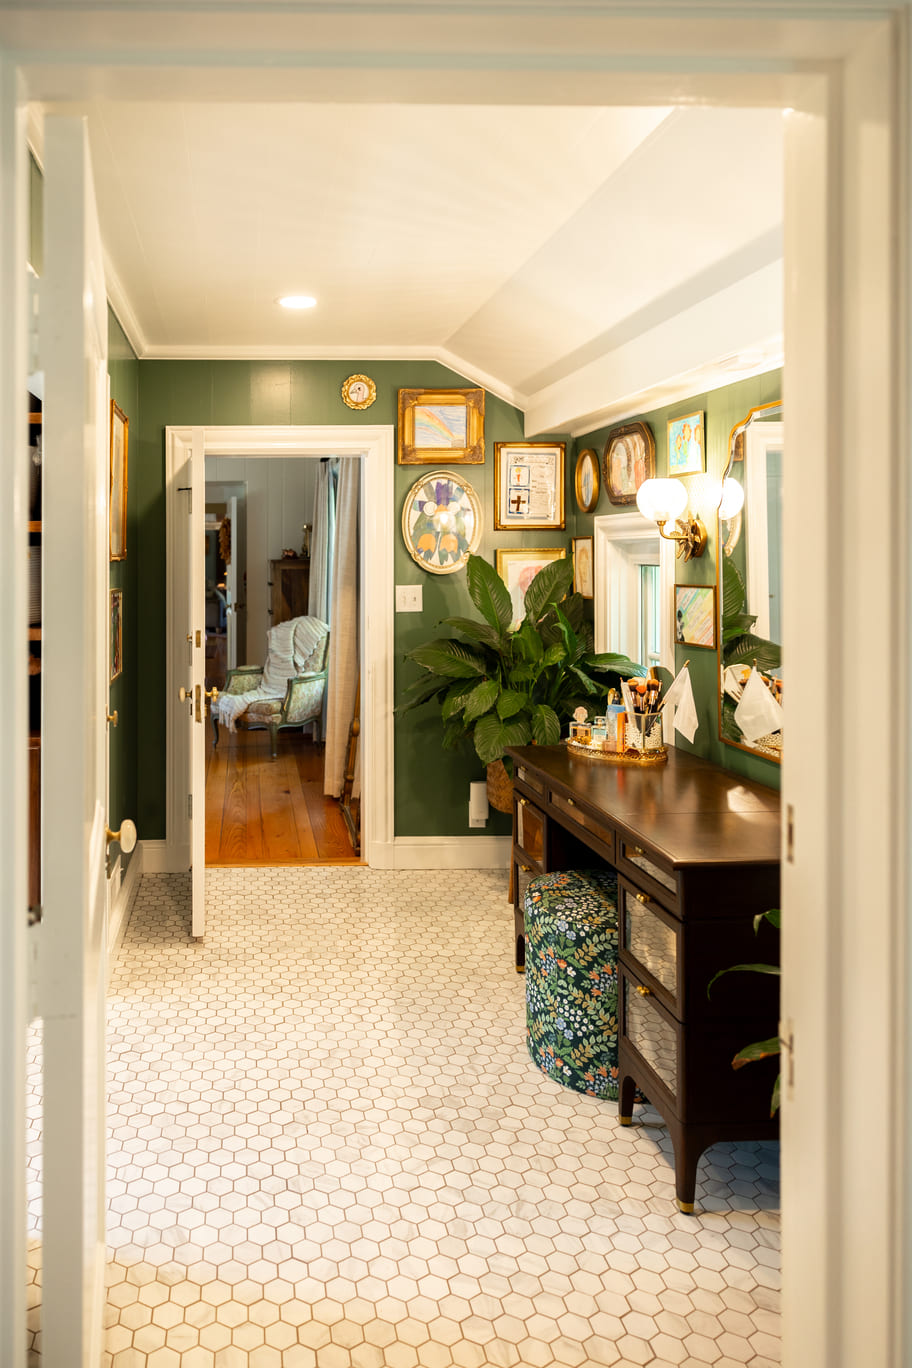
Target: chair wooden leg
x,y
274,739
215,728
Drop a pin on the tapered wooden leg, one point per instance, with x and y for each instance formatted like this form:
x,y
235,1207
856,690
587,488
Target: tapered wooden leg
x,y
215,727
274,741
625,1100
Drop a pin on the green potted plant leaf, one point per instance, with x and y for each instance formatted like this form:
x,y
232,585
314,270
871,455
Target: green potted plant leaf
x,y
497,686
760,1049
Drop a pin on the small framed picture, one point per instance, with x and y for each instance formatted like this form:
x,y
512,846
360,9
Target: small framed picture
x,y
116,633
583,577
629,460
441,521
518,567
529,484
695,615
586,480
441,425
120,424
686,445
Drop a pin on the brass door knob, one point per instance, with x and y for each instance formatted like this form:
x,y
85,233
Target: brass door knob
x,y
184,694
112,717
125,836
212,693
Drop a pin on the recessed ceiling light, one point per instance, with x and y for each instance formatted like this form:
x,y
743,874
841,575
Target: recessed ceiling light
x,y
297,301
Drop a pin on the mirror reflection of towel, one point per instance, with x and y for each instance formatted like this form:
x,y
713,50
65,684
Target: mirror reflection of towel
x,y
758,713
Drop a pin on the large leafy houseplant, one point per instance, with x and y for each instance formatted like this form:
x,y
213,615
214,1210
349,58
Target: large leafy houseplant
x,y
500,686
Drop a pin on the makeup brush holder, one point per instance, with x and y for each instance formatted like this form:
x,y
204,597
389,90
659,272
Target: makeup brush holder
x,y
622,742
644,735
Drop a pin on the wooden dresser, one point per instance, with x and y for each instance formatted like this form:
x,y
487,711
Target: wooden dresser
x,y
696,849
289,587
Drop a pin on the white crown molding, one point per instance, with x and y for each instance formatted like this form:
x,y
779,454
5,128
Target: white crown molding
x,y
123,310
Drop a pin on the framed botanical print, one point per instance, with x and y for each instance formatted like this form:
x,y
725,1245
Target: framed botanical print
x,y
629,460
441,521
441,425
583,577
529,484
116,633
586,480
120,424
518,567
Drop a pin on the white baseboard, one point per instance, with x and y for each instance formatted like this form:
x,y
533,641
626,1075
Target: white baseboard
x,y
119,913
163,857
454,852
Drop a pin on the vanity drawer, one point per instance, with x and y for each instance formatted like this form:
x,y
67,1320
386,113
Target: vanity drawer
x,y
531,780
530,829
651,937
592,822
650,871
651,1032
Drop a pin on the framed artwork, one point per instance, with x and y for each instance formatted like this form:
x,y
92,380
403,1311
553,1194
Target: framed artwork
x,y
120,424
629,460
441,522
529,484
116,633
583,575
695,615
518,567
686,446
586,480
441,425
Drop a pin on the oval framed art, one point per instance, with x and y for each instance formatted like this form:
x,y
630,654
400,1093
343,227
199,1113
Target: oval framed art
x,y
586,480
441,521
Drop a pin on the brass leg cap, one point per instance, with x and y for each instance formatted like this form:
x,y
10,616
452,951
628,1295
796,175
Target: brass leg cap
x,y
686,1207
520,968
626,1120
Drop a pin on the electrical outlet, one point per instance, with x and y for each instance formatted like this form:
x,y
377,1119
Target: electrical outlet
x,y
409,598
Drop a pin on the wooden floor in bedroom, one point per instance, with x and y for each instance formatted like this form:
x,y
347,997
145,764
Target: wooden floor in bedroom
x,y
261,811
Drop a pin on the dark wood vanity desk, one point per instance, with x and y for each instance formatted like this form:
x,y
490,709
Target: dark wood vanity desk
x,y
696,849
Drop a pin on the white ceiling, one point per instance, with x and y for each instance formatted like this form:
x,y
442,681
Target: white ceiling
x,y
520,244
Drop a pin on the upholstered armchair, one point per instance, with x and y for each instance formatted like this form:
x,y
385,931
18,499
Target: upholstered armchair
x,y
287,690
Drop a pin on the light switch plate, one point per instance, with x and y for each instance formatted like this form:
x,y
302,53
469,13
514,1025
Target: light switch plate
x,y
409,598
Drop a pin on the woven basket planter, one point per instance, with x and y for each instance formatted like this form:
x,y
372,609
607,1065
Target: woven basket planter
x,y
500,787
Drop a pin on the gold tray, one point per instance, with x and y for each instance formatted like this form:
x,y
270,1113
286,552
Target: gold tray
x,y
628,757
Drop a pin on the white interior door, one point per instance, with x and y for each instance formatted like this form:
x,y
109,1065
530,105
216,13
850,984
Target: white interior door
x,y
73,343
231,585
198,714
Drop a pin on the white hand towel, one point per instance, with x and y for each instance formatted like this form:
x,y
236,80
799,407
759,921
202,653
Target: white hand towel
x,y
680,696
758,713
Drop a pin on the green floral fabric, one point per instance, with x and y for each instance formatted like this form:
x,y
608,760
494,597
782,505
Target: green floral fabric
x,y
571,922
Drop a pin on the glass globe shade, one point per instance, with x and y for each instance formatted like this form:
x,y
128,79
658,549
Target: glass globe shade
x,y
732,499
661,500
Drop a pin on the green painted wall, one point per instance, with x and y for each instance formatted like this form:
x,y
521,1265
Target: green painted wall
x,y
123,369
723,408
431,785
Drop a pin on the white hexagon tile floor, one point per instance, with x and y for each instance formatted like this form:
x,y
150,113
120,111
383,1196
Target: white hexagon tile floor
x,y
329,1149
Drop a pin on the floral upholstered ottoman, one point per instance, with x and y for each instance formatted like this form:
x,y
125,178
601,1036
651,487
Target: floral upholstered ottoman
x,y
571,923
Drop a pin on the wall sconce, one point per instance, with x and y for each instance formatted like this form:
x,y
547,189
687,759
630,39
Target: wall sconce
x,y
732,499
663,501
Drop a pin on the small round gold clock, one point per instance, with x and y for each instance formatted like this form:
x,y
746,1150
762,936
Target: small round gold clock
x,y
359,391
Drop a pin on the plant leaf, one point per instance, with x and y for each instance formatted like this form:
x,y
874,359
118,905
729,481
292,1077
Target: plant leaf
x,y
617,664
511,701
449,658
774,1100
421,690
455,700
481,699
488,738
761,1049
749,968
550,585
476,631
489,593
546,726
588,685
746,649
734,594
554,655
773,916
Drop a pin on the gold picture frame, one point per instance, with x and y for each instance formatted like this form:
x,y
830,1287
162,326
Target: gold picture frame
x,y
117,503
586,480
441,425
441,521
518,566
116,633
629,460
583,569
529,485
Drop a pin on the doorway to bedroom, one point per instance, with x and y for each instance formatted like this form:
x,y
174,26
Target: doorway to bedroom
x,y
283,627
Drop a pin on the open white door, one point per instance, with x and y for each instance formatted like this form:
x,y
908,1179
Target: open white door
x,y
186,703
73,344
231,586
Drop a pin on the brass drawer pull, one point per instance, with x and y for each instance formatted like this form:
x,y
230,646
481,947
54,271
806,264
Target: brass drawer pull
x,y
643,992
570,803
526,869
642,898
521,802
635,850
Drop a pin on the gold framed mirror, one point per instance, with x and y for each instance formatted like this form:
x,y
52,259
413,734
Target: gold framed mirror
x,y
749,576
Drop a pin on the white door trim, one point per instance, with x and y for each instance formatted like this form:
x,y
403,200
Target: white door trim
x,y
612,567
375,445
